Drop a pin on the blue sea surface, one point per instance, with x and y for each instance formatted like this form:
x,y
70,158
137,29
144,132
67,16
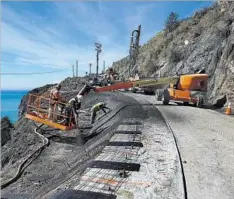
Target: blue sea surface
x,y
10,101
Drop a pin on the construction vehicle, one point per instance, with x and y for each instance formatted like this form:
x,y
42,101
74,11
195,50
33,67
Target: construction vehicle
x,y
189,88
180,89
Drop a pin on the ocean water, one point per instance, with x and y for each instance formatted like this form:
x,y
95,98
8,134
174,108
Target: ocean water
x,y
10,101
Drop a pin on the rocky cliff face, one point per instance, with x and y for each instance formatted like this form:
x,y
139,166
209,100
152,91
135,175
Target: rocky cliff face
x,y
6,127
210,33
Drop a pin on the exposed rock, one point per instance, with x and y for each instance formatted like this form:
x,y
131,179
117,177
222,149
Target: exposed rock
x,y
210,33
220,102
6,130
6,127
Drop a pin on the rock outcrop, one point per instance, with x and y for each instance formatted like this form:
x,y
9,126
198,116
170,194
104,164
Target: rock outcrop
x,y
210,36
6,127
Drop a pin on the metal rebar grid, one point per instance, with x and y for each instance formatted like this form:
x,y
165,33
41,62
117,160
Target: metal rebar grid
x,y
100,178
124,127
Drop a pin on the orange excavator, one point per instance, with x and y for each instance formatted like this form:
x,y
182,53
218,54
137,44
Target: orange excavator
x,y
181,89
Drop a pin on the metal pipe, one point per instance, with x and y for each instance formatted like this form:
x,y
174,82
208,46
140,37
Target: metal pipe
x,y
134,50
97,63
76,68
73,71
90,69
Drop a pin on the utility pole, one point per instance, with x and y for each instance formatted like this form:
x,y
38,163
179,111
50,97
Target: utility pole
x,y
97,63
90,69
73,71
76,68
99,50
104,67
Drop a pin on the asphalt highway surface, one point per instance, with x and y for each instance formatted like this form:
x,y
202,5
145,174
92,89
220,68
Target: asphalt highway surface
x,y
206,142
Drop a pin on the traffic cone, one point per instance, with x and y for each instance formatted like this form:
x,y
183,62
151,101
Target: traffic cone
x,y
228,110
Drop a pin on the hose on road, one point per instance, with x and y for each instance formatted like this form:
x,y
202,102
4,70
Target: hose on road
x,y
32,156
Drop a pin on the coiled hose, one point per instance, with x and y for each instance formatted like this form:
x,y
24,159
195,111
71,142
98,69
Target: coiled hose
x,y
21,167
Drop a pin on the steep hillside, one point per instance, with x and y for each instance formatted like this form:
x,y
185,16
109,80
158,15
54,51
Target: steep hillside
x,y
210,33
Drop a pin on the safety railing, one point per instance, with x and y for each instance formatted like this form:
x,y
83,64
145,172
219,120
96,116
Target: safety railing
x,y
48,109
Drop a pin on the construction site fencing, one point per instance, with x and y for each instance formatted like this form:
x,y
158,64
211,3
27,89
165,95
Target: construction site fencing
x,y
42,107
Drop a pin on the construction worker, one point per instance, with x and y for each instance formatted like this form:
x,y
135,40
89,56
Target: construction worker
x,y
55,98
72,108
74,104
97,107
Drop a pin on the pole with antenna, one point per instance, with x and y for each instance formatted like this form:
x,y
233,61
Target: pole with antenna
x,y
90,64
76,68
104,67
73,71
99,50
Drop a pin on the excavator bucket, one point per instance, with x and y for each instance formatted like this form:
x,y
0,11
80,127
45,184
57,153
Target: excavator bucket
x,y
38,111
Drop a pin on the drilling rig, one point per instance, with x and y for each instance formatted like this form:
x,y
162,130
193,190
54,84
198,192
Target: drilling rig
x,y
134,51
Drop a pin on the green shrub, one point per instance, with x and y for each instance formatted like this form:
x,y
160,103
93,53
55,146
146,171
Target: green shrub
x,y
172,22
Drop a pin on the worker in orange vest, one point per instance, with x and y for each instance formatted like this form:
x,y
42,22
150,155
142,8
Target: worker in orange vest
x,y
55,98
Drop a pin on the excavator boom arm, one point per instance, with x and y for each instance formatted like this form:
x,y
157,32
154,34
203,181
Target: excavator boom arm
x,y
138,83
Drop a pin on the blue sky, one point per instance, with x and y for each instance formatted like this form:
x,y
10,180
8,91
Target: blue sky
x,y
48,36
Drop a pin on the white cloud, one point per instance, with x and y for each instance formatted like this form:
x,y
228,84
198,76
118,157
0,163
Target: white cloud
x,y
36,43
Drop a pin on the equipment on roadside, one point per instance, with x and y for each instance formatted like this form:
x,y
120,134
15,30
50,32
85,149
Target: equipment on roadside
x,y
183,88
189,88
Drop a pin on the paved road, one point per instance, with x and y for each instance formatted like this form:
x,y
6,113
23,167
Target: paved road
x,y
206,142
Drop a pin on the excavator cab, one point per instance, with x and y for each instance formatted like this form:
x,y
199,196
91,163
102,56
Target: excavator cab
x,y
182,90
193,82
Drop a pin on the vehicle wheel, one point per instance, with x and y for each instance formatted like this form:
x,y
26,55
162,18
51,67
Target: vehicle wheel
x,y
145,92
200,101
158,95
166,97
134,90
186,103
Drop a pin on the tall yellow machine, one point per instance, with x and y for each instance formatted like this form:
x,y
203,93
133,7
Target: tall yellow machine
x,y
189,88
